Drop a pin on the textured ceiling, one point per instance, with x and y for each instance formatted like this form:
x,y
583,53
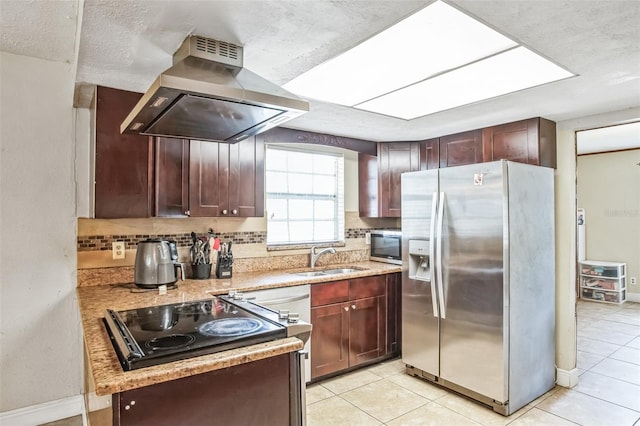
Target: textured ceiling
x,y
126,44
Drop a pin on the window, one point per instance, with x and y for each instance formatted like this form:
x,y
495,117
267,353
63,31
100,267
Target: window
x,y
305,196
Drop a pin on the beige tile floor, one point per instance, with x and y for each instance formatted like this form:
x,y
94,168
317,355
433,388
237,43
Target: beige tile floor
x,y
608,392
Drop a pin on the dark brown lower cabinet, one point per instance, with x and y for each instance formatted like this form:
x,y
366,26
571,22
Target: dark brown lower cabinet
x,y
255,393
394,308
329,339
351,320
367,329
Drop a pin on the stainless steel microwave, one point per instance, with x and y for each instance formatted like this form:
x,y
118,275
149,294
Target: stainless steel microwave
x,y
386,246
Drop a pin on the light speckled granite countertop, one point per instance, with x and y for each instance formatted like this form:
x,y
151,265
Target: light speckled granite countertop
x,y
104,365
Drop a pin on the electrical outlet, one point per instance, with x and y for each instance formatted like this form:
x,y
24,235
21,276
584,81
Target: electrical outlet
x,y
118,249
367,238
633,281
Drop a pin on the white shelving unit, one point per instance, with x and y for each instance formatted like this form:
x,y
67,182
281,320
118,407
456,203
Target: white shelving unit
x,y
604,282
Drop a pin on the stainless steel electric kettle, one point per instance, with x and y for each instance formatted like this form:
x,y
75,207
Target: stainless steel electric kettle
x,y
157,264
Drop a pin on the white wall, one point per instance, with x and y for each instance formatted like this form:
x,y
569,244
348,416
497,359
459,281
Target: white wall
x,y
609,191
40,329
566,235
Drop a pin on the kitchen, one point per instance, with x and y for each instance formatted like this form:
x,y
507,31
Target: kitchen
x,y
39,160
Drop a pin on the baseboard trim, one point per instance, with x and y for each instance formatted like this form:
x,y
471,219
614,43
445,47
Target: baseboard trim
x,y
45,412
567,378
95,402
633,297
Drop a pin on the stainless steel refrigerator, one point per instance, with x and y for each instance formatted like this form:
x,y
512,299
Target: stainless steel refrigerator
x,y
478,284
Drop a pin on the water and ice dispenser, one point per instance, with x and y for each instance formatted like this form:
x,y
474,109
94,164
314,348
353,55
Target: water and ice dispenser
x,y
419,260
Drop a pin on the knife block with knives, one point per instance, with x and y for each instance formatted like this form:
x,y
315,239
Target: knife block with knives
x,y
225,261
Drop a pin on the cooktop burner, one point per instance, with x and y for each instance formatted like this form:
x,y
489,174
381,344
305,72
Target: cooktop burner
x,y
154,335
173,341
230,327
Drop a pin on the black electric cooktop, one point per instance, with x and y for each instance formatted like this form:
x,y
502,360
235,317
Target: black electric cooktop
x,y
159,334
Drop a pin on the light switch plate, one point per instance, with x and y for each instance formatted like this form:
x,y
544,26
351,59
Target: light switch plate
x,y
367,238
118,249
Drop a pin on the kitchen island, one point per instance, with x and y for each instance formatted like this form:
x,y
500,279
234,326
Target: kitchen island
x,y
103,364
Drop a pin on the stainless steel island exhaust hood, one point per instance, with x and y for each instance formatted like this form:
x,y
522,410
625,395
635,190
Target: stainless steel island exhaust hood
x,y
208,95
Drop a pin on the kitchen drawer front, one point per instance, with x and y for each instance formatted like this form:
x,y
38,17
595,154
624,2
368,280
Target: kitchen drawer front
x,y
367,287
603,295
328,293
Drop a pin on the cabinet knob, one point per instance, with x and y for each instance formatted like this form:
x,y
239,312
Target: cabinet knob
x,y
187,212
225,211
234,211
353,307
346,308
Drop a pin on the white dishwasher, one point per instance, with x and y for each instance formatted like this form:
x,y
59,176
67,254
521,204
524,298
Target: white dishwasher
x,y
295,299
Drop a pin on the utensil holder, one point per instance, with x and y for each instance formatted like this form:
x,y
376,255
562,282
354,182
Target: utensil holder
x,y
201,271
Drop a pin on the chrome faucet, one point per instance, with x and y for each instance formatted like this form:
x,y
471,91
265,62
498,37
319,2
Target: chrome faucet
x,y
315,256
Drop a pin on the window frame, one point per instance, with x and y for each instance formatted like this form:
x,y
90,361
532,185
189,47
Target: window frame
x,y
338,197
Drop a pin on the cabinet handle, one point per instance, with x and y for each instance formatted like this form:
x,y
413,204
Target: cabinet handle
x,y
353,307
346,308
225,211
187,213
234,211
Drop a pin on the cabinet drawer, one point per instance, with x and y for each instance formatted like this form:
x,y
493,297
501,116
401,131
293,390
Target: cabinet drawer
x,y
603,283
603,269
327,293
604,295
367,287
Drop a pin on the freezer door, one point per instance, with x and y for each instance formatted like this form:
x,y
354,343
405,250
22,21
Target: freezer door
x,y
420,347
472,348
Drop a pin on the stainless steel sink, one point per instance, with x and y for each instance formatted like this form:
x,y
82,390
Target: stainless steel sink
x,y
310,273
341,271
335,271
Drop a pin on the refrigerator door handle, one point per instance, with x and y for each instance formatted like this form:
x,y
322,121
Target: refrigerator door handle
x,y
432,252
439,278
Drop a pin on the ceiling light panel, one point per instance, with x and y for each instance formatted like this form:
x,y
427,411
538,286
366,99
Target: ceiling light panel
x,y
507,72
435,39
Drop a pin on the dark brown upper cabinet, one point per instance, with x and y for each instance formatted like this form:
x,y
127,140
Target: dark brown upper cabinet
x,y
210,179
367,185
394,158
172,177
124,163
531,141
461,148
430,154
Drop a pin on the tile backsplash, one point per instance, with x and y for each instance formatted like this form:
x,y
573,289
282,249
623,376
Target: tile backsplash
x,y
103,242
95,238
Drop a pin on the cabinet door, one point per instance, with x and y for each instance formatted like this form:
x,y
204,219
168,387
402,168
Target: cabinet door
x,y
172,177
246,179
529,141
367,329
430,154
394,158
329,339
213,398
367,185
461,148
392,343
208,178
124,163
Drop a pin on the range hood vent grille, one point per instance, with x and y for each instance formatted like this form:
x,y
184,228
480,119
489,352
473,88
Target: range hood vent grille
x,y
208,95
219,48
